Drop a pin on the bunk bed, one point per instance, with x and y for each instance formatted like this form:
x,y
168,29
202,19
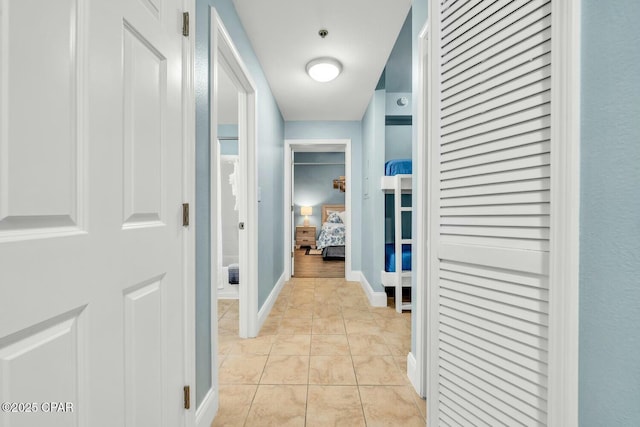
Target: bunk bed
x,y
397,271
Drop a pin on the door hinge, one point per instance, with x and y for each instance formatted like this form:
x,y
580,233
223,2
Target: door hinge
x,y
292,254
185,214
185,24
187,397
291,208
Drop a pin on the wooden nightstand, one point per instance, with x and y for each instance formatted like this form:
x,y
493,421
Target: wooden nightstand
x,y
305,236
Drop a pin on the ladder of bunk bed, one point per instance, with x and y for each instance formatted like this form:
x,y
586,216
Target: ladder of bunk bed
x,y
399,242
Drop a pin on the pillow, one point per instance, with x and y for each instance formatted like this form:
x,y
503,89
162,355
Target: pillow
x,y
343,216
334,217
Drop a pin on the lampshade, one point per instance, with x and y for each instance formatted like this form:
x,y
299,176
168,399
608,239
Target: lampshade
x,y
306,210
324,69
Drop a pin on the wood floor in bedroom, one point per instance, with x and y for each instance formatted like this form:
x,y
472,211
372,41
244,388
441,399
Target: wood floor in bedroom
x,y
310,266
324,357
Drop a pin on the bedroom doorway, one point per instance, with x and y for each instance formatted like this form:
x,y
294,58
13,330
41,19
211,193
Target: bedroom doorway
x,y
233,184
317,211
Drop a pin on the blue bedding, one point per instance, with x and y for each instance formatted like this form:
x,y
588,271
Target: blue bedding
x,y
397,167
390,257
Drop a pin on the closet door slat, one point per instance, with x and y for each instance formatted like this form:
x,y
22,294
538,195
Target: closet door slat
x,y
491,239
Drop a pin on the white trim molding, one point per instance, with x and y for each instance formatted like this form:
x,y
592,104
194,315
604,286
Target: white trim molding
x,y
376,298
565,214
189,196
419,379
412,371
271,299
432,134
207,409
223,54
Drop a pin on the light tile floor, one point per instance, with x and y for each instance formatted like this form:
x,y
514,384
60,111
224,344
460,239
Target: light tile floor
x,y
324,357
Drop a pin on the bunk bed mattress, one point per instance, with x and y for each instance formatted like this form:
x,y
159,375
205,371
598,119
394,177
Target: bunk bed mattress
x,y
397,167
390,258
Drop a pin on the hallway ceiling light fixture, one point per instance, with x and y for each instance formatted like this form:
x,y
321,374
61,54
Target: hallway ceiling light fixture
x,y
324,69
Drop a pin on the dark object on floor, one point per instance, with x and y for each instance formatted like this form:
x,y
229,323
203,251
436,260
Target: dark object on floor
x,y
333,253
234,274
313,251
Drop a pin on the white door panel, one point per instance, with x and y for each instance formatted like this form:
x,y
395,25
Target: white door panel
x,y
91,180
40,140
491,177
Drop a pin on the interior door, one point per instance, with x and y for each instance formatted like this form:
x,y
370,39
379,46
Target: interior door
x,y
91,170
491,177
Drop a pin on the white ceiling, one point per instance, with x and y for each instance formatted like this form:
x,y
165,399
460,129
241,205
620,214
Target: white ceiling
x,y
284,35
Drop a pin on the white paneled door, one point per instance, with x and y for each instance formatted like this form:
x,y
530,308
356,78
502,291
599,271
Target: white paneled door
x,y
91,181
491,174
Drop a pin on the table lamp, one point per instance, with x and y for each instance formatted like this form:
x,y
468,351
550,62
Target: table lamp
x,y
306,211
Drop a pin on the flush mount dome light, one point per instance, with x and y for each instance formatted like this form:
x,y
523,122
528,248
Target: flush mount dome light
x,y
324,69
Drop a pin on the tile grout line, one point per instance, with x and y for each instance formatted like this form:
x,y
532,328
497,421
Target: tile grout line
x,y
312,307
355,374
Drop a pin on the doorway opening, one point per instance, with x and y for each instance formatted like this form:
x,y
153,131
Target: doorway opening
x,y
234,231
317,213
318,193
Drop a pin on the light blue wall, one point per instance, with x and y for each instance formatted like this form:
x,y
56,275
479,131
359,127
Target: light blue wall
x,y
392,107
313,184
229,147
339,130
610,215
372,197
270,175
203,206
398,144
398,69
418,20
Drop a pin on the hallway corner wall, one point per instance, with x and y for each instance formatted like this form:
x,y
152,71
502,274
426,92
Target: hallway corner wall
x,y
372,200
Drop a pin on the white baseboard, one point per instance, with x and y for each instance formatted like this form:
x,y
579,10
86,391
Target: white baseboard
x,y
228,294
412,372
353,276
376,298
207,410
264,311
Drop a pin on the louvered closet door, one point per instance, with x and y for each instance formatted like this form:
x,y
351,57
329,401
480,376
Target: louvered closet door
x,y
493,168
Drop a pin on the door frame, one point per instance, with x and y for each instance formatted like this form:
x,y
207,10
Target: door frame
x,y
565,214
564,269
422,236
315,145
189,196
224,53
